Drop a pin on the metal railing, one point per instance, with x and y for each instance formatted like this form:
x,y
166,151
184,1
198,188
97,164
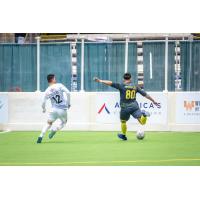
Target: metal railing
x,y
126,41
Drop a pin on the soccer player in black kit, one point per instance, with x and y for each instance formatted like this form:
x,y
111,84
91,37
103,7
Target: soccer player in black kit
x,y
129,105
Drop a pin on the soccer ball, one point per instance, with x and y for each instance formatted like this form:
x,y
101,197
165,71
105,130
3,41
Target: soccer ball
x,y
140,135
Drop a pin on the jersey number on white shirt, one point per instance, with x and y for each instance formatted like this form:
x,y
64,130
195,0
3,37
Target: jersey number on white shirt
x,y
57,99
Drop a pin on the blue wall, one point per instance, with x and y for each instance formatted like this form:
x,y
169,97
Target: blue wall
x,y
18,66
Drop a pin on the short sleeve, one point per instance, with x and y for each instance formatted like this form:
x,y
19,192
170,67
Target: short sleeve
x,y
141,91
115,85
63,88
46,93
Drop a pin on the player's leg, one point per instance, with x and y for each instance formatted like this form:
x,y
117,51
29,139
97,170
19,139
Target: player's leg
x,y
62,115
124,117
44,130
141,116
51,118
56,128
123,126
142,120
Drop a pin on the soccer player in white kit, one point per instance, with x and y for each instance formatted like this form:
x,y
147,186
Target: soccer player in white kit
x,y
55,92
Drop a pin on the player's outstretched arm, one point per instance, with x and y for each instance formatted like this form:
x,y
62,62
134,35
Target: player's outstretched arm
x,y
106,82
151,99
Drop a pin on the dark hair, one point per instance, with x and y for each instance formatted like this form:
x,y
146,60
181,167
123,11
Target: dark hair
x,y
50,77
127,76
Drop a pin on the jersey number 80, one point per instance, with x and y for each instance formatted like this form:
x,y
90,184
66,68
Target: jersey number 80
x,y
130,94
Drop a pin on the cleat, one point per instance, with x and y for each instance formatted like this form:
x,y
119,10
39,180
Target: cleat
x,y
51,134
122,136
145,113
39,140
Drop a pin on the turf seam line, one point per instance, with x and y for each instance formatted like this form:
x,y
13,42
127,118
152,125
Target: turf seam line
x,y
104,162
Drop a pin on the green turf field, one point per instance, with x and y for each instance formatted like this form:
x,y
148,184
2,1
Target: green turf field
x,y
100,148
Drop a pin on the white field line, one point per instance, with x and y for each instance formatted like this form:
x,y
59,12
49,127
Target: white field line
x,y
103,162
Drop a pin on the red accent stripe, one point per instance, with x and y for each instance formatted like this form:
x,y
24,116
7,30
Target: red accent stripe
x,y
101,108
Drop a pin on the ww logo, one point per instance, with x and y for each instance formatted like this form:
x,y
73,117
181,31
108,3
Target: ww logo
x,y
189,105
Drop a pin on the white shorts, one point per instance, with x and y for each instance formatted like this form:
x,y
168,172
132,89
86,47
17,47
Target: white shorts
x,y
57,113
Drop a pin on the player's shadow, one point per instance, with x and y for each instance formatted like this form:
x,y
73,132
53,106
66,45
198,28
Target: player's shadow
x,y
59,142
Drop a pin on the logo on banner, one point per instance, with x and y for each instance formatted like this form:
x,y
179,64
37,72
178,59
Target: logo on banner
x,y
102,108
105,107
108,108
145,105
192,107
188,108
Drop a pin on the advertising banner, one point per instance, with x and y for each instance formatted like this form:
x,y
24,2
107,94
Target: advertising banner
x,y
188,108
108,108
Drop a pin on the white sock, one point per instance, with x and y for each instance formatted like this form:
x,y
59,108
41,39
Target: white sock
x,y
58,127
45,129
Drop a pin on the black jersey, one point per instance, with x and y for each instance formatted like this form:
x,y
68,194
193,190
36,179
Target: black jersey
x,y
128,92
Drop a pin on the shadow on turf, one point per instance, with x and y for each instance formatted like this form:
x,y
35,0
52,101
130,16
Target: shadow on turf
x,y
77,141
58,142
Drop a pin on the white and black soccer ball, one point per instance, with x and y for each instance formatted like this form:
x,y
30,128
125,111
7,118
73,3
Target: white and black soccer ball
x,y
140,135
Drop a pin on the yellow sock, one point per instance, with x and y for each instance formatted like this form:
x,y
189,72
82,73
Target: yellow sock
x,y
123,127
143,120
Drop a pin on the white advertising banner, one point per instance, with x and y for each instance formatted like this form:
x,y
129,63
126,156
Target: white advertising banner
x,y
108,108
3,108
188,108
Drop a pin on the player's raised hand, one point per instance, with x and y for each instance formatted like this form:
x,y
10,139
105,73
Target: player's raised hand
x,y
96,79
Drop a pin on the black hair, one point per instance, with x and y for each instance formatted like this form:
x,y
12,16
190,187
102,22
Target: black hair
x,y
127,76
50,77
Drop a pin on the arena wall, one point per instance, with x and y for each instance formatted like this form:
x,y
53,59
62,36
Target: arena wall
x,y
25,113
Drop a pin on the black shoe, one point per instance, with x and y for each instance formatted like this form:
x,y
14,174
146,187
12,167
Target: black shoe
x,y
122,136
51,134
39,140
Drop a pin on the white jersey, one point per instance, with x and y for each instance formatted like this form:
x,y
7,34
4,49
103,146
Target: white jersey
x,y
55,93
